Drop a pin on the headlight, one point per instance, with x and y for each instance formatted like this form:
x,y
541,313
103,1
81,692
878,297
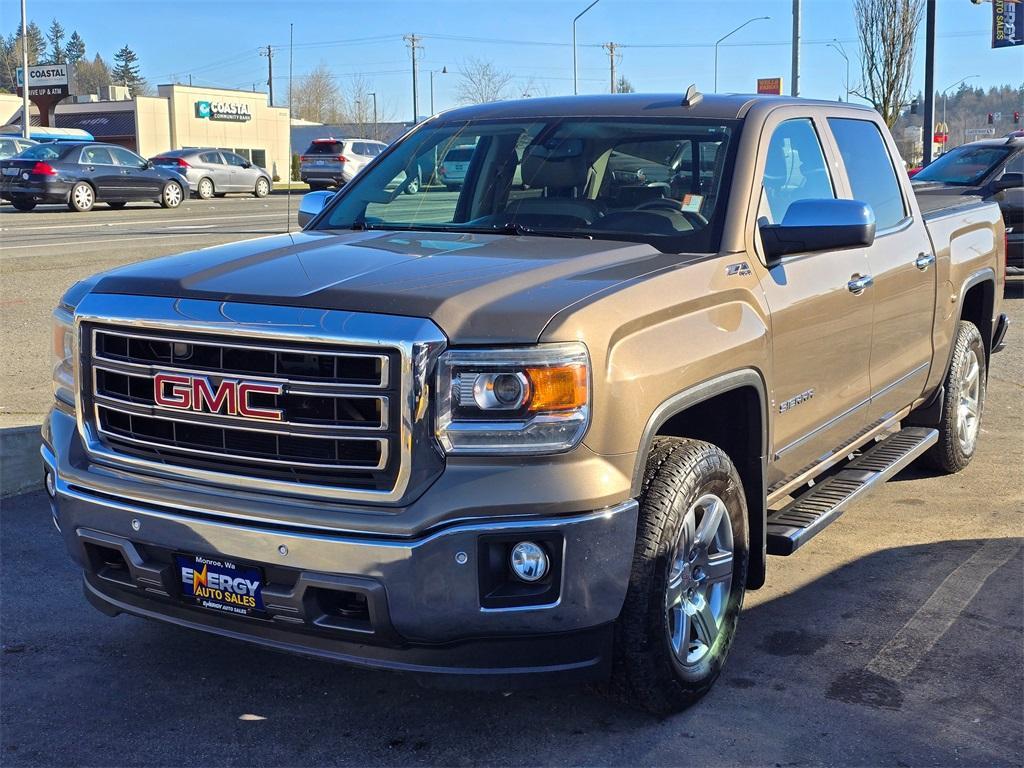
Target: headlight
x,y
62,356
529,400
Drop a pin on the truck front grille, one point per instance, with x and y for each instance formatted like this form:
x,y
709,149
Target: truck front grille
x,y
334,410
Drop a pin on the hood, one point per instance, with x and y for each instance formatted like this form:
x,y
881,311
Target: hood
x,y
479,289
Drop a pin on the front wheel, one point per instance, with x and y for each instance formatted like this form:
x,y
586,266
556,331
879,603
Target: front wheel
x,y
23,202
82,197
962,404
688,577
172,195
262,187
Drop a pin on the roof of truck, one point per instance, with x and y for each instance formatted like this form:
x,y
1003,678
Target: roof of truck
x,y
718,106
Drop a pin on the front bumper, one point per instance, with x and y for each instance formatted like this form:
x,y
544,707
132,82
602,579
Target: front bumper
x,y
424,607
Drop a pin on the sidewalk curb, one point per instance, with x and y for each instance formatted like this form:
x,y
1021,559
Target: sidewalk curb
x,y
21,466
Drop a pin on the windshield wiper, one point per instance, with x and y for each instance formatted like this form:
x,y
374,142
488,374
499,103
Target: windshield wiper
x,y
514,228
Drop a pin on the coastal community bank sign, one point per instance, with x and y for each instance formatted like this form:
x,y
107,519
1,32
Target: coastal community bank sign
x,y
223,111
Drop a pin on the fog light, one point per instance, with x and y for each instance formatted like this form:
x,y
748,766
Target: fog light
x,y
51,485
529,561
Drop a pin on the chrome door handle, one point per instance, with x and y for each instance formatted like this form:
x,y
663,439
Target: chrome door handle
x,y
859,283
924,260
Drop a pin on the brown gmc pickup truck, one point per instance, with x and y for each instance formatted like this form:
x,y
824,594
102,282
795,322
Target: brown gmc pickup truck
x,y
548,425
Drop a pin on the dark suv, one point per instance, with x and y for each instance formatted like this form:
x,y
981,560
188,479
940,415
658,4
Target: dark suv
x,y
992,169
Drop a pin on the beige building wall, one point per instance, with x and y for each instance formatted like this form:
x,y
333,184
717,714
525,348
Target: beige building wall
x,y
10,105
152,125
267,130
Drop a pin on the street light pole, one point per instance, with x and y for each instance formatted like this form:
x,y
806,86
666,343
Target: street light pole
x,y
26,120
575,65
443,71
945,98
836,46
725,37
375,132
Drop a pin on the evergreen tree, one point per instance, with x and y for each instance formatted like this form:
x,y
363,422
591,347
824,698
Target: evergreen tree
x,y
75,50
36,44
126,71
56,38
90,76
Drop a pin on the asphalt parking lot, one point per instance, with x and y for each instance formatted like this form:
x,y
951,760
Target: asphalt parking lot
x,y
895,638
44,252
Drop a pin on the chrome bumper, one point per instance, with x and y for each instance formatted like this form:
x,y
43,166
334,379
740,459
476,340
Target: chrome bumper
x,y
428,592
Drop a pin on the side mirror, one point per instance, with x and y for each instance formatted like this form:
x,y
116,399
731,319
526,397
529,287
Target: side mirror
x,y
819,225
146,165
247,164
1010,180
311,205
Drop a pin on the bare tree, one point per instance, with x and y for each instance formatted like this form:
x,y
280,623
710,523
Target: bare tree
x,y
315,96
355,106
480,82
887,29
622,85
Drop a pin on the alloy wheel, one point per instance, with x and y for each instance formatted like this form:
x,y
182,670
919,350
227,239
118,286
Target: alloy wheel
x,y
262,188
699,580
206,189
968,414
172,195
83,197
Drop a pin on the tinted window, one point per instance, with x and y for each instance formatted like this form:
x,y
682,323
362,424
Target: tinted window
x,y
8,147
1016,164
325,148
211,157
125,157
459,155
96,156
795,168
232,159
964,165
869,168
44,152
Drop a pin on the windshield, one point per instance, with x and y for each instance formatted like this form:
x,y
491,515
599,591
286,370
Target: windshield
x,y
656,181
964,166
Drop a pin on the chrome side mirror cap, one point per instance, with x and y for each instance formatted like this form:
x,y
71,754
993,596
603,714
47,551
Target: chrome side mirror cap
x,y
823,224
311,205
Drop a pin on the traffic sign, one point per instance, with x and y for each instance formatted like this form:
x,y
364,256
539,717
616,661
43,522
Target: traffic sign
x,y
980,132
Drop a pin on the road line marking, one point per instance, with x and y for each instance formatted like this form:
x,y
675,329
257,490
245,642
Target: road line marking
x,y
46,228
192,226
904,651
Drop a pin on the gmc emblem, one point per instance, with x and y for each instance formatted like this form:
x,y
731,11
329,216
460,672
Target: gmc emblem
x,y
230,398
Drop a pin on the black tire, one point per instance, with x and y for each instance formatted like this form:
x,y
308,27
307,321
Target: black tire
x,y
117,205
262,188
315,186
23,202
951,454
205,189
82,197
172,196
647,672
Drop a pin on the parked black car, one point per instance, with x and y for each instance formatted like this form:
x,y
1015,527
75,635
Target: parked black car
x,y
81,174
992,169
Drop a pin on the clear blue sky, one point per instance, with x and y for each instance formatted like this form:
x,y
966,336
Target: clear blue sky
x,y
217,40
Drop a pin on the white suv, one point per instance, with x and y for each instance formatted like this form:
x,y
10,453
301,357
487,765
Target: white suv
x,y
333,162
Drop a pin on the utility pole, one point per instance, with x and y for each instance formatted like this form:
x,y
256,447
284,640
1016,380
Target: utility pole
x,y
794,75
26,118
414,45
928,119
269,53
610,47
375,132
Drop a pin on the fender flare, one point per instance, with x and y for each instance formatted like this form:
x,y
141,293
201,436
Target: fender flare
x,y
718,385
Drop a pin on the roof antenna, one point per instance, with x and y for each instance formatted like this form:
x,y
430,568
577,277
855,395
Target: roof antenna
x,y
693,96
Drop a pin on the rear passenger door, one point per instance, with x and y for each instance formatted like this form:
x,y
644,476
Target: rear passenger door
x,y
99,169
820,329
217,170
901,266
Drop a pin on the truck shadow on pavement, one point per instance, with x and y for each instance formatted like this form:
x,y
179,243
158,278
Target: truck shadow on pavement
x,y
909,655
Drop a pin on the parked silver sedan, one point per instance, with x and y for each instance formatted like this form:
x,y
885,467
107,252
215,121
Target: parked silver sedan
x,y
215,172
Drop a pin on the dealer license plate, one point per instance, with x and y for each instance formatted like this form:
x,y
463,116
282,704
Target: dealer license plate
x,y
220,585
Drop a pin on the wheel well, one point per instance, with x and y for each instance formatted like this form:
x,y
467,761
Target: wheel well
x,y
207,178
977,308
734,421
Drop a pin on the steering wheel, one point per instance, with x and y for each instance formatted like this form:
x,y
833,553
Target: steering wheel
x,y
664,203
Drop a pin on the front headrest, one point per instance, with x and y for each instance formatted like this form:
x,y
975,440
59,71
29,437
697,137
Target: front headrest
x,y
555,165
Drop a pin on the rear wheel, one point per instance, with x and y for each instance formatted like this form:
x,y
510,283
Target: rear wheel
x,y
413,187
688,578
82,197
117,205
262,187
205,189
963,402
172,195
23,202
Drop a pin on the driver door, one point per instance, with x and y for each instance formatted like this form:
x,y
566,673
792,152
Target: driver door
x,y
820,328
